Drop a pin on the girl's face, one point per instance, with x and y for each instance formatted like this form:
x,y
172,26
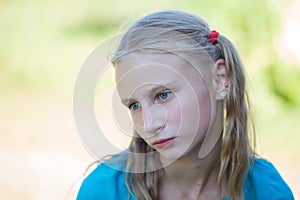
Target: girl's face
x,y
169,102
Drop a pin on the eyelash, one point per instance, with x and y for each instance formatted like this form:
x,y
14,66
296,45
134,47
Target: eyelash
x,y
157,98
131,106
168,92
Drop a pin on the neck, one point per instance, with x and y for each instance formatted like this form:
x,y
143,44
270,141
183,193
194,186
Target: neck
x,y
189,170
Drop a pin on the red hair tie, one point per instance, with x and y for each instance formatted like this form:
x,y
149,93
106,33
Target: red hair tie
x,y
213,36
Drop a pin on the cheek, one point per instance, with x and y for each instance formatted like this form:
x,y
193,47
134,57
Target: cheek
x,y
205,110
194,113
137,120
174,112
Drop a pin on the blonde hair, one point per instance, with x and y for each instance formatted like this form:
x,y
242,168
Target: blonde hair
x,y
236,153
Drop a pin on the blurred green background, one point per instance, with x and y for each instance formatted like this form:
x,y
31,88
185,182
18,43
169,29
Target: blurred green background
x,y
43,44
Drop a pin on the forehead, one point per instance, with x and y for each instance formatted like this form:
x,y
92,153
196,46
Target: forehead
x,y
144,69
143,64
150,68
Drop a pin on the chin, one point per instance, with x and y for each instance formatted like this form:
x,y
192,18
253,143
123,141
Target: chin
x,y
170,155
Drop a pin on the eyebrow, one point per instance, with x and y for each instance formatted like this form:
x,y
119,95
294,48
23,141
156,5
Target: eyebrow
x,y
126,101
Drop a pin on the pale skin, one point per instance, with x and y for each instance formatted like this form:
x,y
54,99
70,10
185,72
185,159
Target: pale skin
x,y
168,99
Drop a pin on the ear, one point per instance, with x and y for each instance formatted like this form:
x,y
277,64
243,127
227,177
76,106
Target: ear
x,y
220,79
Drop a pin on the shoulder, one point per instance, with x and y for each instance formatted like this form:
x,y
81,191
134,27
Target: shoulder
x,y
264,182
107,181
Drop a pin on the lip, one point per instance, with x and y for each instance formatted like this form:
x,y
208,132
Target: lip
x,y
162,143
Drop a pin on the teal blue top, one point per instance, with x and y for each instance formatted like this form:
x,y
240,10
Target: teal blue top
x,y
262,182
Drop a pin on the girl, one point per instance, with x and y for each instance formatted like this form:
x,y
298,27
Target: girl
x,y
184,86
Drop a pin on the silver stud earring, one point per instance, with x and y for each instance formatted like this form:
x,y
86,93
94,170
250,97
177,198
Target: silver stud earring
x,y
222,95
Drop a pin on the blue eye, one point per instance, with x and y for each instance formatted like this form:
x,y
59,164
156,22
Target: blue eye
x,y
164,95
134,106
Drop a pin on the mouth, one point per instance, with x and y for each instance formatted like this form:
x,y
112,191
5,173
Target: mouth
x,y
162,143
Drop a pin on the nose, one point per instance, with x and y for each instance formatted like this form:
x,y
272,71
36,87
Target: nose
x,y
154,119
